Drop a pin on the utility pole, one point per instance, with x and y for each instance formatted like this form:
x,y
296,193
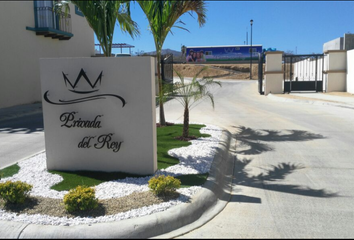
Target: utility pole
x,y
251,51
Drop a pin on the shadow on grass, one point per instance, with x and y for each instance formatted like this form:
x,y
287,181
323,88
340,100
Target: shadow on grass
x,y
192,180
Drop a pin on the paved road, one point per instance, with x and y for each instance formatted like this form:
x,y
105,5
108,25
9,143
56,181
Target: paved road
x,y
20,138
294,166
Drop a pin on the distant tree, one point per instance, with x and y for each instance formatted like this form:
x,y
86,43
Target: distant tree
x,y
139,53
183,50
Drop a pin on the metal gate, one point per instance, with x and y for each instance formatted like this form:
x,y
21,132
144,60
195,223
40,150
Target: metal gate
x,y
260,73
167,68
303,72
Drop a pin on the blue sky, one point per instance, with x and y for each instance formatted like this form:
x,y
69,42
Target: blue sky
x,y
299,26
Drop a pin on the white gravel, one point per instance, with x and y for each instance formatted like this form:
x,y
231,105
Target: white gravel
x,y
194,159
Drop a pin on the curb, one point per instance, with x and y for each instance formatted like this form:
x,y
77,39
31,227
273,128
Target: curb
x,y
207,203
313,102
23,159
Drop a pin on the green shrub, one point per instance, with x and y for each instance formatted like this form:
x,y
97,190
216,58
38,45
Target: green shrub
x,y
14,192
80,198
163,185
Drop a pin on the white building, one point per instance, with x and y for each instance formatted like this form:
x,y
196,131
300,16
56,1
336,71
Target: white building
x,y
31,30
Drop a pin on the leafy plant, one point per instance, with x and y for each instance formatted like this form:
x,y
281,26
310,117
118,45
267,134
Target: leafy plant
x,y
14,192
102,15
80,199
164,185
189,93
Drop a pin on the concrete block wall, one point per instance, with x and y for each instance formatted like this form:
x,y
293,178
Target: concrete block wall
x,y
335,44
335,72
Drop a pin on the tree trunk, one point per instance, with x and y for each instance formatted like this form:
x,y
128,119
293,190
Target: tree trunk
x,y
186,122
162,112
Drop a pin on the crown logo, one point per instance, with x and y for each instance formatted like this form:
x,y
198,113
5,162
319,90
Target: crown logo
x,y
83,75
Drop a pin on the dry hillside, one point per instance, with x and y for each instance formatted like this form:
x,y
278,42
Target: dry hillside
x,y
222,71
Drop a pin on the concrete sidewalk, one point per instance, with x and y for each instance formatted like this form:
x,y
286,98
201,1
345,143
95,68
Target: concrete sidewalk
x,y
338,99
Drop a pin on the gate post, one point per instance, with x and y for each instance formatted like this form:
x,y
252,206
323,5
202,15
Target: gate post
x,y
335,72
273,74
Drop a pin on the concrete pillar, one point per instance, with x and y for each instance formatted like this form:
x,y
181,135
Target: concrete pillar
x,y
273,74
335,71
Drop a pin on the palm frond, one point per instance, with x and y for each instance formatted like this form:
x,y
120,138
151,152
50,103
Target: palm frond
x,y
102,15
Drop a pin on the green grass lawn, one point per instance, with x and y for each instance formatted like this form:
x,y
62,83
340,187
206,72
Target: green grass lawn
x,y
165,141
9,171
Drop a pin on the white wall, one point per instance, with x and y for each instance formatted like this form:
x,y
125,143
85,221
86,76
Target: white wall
x,y
350,71
305,70
21,49
121,103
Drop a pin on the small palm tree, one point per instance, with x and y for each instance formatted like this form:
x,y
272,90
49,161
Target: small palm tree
x,y
162,16
102,16
189,93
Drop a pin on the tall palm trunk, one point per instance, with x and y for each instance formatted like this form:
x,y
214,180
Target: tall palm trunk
x,y
159,78
186,122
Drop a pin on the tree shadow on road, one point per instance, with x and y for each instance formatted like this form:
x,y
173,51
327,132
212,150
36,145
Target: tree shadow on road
x,y
279,172
253,142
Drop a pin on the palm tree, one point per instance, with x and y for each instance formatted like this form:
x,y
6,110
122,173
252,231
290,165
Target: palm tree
x,y
162,16
189,93
102,16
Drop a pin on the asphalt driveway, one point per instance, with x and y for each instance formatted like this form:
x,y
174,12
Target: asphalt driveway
x,y
294,165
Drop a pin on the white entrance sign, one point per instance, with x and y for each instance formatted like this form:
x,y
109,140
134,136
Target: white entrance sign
x,y
99,114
